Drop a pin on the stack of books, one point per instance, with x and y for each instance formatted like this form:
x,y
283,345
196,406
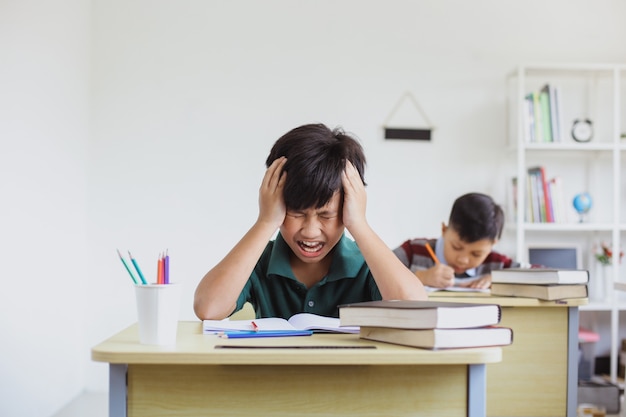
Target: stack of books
x,y
542,283
428,324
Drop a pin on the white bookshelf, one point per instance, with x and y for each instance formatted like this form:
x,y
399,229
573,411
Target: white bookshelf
x,y
593,91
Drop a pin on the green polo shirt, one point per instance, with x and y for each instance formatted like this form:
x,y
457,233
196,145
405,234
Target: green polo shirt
x,y
274,291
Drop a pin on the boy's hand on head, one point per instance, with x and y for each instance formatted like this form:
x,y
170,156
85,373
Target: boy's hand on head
x,y
355,197
439,276
271,201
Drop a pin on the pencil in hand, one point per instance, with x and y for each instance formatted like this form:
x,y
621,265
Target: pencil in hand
x,y
431,252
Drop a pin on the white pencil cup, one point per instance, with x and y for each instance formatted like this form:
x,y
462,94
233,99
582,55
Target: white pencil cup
x,y
157,313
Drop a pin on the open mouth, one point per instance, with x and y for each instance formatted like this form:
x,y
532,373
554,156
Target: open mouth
x,y
310,247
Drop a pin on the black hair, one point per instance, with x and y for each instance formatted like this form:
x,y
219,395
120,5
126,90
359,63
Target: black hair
x,y
475,216
316,157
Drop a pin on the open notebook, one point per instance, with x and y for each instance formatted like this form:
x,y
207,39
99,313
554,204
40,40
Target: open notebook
x,y
296,323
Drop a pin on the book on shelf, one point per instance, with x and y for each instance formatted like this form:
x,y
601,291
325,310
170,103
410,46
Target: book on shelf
x,y
545,197
529,119
541,276
546,123
297,322
440,338
535,196
541,194
531,211
547,292
542,115
538,127
412,314
557,198
555,113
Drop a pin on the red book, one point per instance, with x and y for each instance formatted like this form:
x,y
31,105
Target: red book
x,y
546,209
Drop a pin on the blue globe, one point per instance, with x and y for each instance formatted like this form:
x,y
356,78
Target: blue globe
x,y
582,203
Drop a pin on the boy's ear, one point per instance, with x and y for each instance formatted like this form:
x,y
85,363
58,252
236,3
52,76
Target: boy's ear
x,y
443,228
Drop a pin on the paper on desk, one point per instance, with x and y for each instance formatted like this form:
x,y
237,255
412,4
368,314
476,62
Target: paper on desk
x,y
457,289
217,326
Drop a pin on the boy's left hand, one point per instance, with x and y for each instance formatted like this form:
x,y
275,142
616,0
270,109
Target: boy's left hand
x,y
483,283
355,197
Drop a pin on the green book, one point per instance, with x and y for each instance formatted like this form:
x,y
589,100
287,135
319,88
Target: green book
x,y
544,103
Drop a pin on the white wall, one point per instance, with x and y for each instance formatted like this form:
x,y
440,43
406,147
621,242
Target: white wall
x,y
44,113
187,98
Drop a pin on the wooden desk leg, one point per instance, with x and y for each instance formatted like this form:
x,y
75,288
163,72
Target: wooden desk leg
x,y
572,361
476,390
117,390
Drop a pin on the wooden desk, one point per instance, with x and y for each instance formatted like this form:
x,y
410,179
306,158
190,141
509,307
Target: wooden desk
x,y
538,375
196,379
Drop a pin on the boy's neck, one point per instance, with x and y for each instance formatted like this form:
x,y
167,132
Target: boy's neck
x,y
310,273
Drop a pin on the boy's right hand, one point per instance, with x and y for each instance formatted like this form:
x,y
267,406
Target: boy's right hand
x,y
439,276
272,208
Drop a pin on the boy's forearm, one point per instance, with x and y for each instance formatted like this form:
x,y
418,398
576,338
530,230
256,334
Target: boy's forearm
x,y
217,293
395,281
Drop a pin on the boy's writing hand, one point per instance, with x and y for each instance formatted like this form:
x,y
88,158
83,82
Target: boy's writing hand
x,y
439,276
272,208
355,197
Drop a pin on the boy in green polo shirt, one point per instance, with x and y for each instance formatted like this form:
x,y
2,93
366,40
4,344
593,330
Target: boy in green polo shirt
x,y
312,191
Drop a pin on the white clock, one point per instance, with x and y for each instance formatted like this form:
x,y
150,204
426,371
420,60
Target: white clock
x,y
582,130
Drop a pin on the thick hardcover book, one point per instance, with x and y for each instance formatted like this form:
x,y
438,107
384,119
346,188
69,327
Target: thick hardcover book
x,y
441,338
540,276
419,314
542,292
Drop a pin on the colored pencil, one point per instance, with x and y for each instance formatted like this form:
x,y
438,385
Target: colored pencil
x,y
159,279
127,268
143,280
432,253
269,333
166,267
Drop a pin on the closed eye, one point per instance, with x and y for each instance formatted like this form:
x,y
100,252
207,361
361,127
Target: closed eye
x,y
295,214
